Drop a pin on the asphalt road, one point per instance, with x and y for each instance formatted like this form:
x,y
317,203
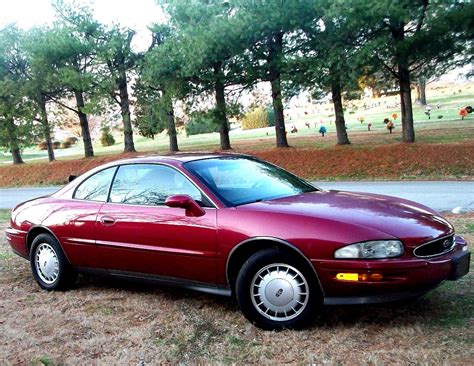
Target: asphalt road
x,y
443,196
454,196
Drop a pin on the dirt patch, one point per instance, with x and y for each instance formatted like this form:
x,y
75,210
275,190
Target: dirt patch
x,y
392,161
109,322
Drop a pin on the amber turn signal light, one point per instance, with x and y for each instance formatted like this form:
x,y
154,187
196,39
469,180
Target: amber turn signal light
x,y
359,277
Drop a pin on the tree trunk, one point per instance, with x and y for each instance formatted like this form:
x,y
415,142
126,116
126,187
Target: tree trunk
x,y
422,86
171,125
13,142
342,138
17,156
417,93
221,107
275,44
280,131
86,135
129,146
408,130
46,128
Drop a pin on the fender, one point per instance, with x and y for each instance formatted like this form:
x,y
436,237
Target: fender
x,y
49,232
275,240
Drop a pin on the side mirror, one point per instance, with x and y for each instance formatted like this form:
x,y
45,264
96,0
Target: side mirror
x,y
71,178
186,202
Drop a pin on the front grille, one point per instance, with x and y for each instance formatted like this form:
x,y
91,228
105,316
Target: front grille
x,y
435,247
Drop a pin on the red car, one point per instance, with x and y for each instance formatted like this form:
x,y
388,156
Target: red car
x,y
235,225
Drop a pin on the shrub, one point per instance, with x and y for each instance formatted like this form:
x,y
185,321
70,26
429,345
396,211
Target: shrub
x,y
257,118
42,145
56,145
65,144
202,122
106,138
72,140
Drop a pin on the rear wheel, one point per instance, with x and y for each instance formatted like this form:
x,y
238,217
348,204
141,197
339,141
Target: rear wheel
x,y
49,265
276,290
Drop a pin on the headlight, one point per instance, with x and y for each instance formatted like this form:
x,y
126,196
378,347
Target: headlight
x,y
371,250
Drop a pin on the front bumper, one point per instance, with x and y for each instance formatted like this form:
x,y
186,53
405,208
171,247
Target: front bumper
x,y
402,278
17,239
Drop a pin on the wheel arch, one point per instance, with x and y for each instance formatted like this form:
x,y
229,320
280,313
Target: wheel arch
x,y
245,249
36,230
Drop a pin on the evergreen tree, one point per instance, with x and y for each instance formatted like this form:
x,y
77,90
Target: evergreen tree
x,y
114,50
158,84
16,111
272,25
409,36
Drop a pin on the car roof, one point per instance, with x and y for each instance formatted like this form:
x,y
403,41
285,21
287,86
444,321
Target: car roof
x,y
174,158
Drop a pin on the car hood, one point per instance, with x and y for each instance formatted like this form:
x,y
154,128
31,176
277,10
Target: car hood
x,y
409,221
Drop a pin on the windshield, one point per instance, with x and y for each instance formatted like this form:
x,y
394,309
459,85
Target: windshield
x,y
237,180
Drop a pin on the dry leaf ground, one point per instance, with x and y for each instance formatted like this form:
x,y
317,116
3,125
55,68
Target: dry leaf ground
x,y
110,322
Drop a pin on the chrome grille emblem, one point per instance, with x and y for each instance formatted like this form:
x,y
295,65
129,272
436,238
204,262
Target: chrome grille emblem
x,y
435,247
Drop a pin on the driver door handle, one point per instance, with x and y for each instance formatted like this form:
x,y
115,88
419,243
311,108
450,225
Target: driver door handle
x,y
107,220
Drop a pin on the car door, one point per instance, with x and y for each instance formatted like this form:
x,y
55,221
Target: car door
x,y
77,231
137,232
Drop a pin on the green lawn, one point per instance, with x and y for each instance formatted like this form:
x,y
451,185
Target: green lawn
x,y
4,215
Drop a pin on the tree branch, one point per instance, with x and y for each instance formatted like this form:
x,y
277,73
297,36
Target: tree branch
x,y
114,97
62,104
387,67
421,19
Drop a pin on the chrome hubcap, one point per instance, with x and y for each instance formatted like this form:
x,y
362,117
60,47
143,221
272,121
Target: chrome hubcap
x,y
279,292
46,263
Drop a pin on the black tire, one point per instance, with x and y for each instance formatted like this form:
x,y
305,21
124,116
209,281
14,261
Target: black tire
x,y
58,275
272,260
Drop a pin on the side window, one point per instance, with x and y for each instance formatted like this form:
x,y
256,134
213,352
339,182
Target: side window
x,y
96,187
150,184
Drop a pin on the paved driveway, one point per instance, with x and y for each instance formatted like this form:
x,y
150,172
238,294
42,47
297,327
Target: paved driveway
x,y
10,197
454,196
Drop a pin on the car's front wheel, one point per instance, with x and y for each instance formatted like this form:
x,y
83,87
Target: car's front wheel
x,y
49,265
276,290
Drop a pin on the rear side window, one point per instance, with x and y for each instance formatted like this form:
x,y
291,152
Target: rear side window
x,y
150,184
96,187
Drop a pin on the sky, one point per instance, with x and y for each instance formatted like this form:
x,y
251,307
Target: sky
x,y
136,14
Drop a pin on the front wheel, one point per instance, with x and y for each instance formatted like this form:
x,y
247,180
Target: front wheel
x,y
276,290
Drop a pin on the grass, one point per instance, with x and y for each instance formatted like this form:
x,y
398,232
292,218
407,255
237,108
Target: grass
x,y
4,215
43,360
103,321
30,154
239,139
